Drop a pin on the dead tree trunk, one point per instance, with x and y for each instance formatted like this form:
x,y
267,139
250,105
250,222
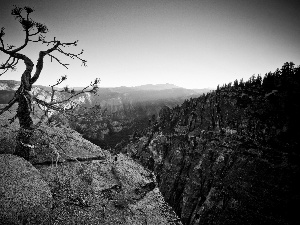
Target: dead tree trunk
x,y
26,123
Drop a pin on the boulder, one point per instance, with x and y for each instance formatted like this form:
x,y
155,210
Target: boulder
x,y
25,198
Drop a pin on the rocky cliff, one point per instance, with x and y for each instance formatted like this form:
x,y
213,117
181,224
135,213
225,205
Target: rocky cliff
x,y
72,181
230,156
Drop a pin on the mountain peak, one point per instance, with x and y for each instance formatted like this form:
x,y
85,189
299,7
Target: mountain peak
x,y
156,87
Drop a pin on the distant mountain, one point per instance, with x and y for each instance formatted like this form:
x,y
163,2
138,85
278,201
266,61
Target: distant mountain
x,y
13,85
148,92
122,89
155,87
9,85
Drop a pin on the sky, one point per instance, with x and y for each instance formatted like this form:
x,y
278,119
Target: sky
x,y
189,43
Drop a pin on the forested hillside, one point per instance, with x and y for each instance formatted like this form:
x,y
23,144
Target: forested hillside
x,y
230,156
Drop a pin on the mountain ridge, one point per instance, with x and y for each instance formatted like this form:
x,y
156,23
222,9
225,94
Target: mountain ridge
x,y
138,87
230,156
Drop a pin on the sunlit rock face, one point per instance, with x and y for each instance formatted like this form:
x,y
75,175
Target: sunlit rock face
x,y
83,184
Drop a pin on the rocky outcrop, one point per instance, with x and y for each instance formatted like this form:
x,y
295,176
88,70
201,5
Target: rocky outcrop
x,y
25,198
87,185
105,192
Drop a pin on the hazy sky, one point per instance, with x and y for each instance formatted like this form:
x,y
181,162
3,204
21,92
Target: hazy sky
x,y
192,44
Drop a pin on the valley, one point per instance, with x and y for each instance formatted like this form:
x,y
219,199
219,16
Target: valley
x,y
111,115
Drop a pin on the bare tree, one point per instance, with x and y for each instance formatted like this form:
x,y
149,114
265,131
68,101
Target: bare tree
x,y
34,32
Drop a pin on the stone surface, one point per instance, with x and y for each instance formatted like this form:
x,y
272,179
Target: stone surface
x,y
91,186
25,198
60,144
105,192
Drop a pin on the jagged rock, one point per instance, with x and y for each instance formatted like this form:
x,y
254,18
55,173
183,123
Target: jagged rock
x,y
25,198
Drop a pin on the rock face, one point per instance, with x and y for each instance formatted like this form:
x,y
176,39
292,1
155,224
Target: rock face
x,y
25,197
86,185
216,181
